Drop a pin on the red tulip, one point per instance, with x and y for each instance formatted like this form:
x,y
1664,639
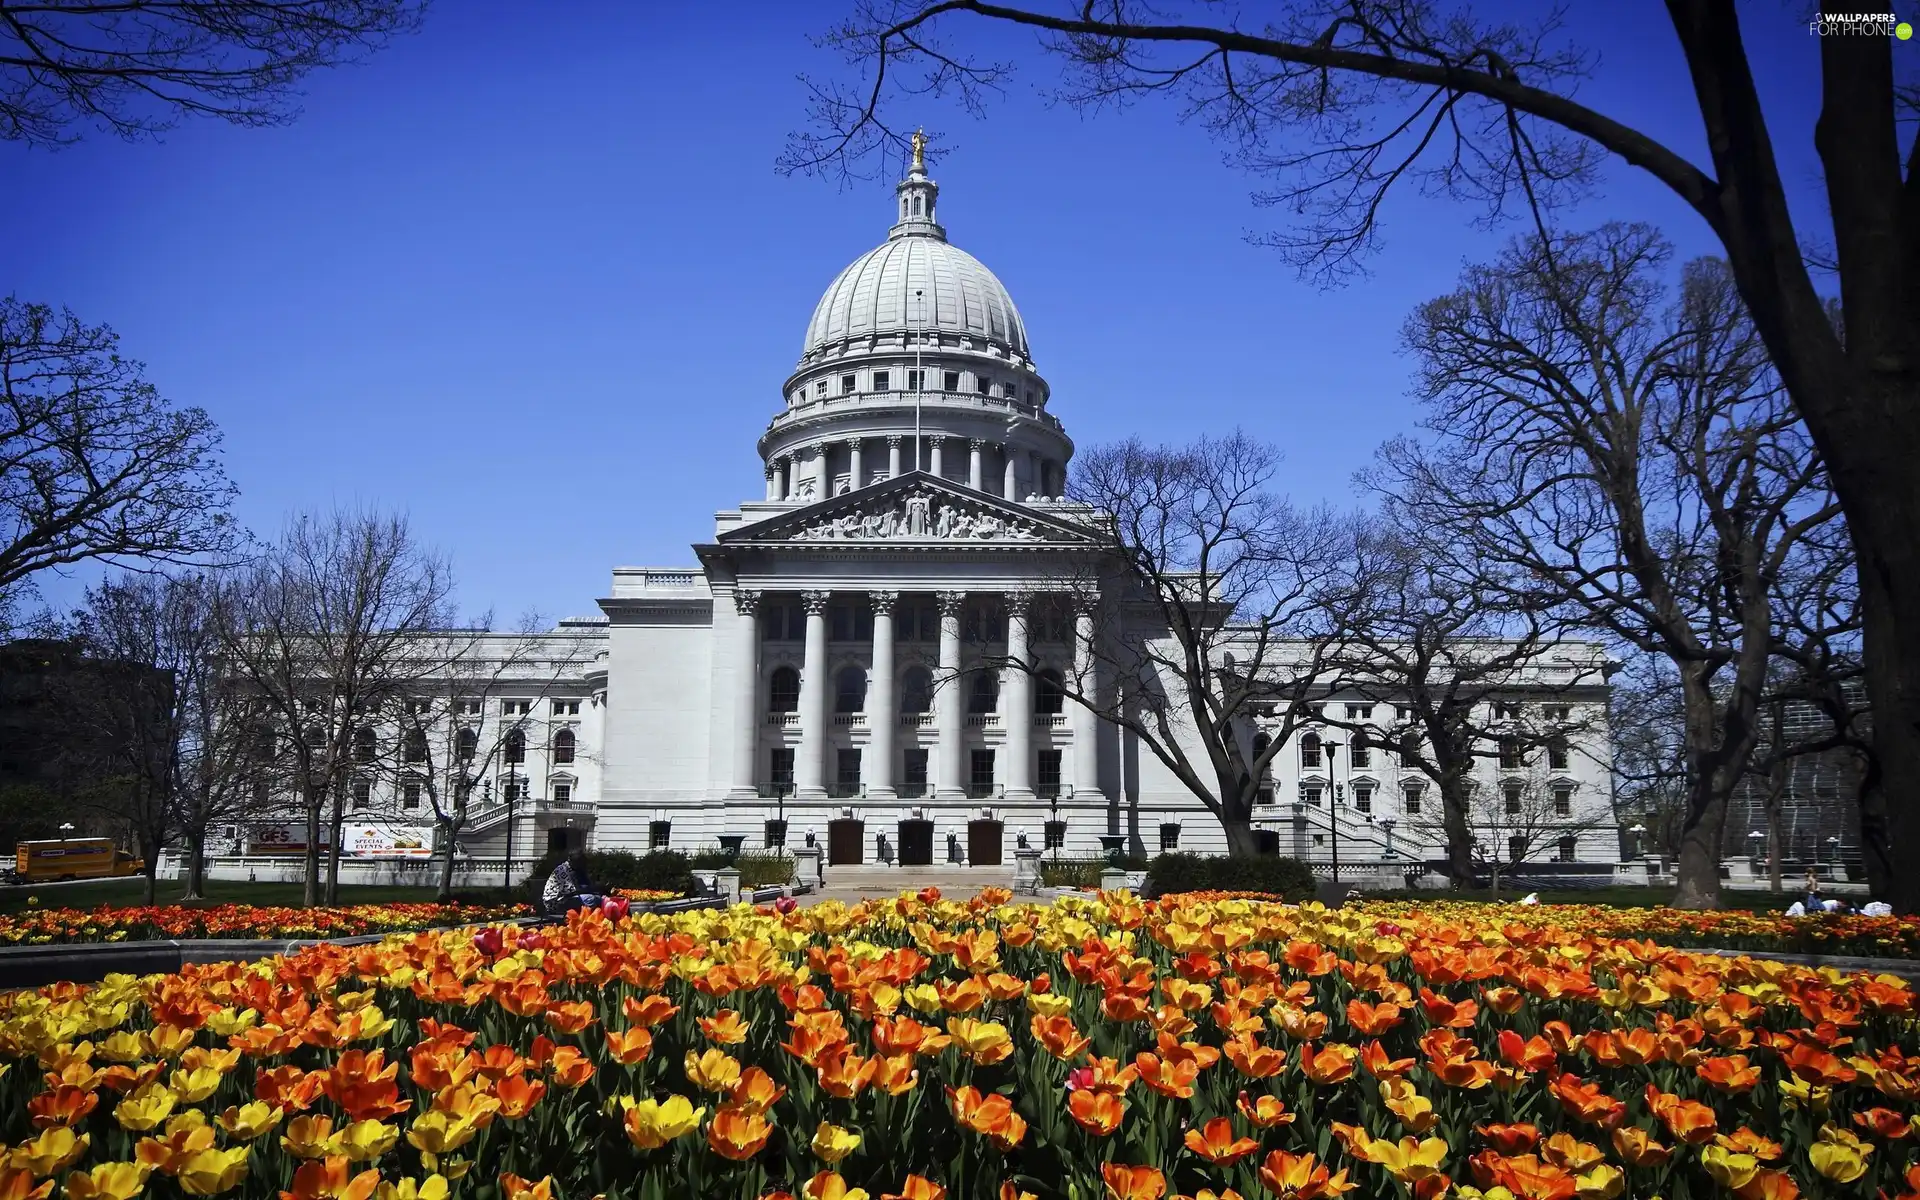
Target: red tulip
x,y
487,942
785,905
533,939
613,908
1078,1078
1386,929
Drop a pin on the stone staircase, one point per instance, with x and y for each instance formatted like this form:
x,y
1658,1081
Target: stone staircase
x,y
853,884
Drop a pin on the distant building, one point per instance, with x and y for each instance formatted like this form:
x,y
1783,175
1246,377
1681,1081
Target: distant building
x,y
1819,810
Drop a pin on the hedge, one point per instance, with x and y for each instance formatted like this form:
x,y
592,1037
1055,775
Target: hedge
x,y
666,870
1288,878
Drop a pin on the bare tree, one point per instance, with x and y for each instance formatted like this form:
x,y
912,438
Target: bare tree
x,y
136,67
1214,603
442,742
1342,100
1633,453
1451,641
1522,820
94,464
1647,717
335,622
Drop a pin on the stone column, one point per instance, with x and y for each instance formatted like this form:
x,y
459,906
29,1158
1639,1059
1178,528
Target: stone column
x,y
853,469
822,478
782,483
949,713
747,717
1036,474
1012,489
1085,725
933,459
810,765
974,447
893,456
1018,708
773,482
883,711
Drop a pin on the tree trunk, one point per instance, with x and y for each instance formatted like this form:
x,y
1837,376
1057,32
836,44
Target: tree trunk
x,y
1876,849
1777,778
1698,866
310,889
1774,880
1493,893
152,870
445,892
196,874
337,822
1454,802
1238,826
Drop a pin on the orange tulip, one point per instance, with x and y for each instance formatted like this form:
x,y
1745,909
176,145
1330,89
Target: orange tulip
x,y
1265,1112
571,1016
1334,1064
1637,1148
648,1011
844,1073
1133,1183
1773,1185
1253,1060
512,1187
1372,1019
1588,1102
328,1179
1691,1122
1059,1036
1730,1074
62,1105
1215,1142
1301,1177
737,1133
517,1096
1884,1123
724,1028
894,1074
916,1188
1096,1112
629,1046
1530,1054
756,1091
1378,1064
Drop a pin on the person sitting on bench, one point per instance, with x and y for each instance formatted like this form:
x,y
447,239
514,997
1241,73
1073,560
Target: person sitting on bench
x,y
569,887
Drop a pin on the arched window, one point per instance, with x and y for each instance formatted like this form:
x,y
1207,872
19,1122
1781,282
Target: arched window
x,y
850,690
983,694
916,692
1050,695
363,745
1260,743
416,745
515,748
466,744
265,744
784,695
563,743
1310,750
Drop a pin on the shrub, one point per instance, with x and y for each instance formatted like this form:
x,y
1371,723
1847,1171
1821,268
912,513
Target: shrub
x,y
1083,872
764,868
709,859
1287,878
665,870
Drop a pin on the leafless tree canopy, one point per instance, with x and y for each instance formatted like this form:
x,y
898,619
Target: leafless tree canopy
x,y
136,67
94,463
1626,444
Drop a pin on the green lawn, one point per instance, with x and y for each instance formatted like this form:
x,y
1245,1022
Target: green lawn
x,y
133,891
1619,897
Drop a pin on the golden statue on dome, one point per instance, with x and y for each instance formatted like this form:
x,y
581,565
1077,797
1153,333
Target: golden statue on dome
x,y
919,166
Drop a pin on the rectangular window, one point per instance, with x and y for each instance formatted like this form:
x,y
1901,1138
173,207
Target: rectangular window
x,y
913,774
849,384
362,794
419,708
410,796
1558,756
659,835
1310,752
1362,753
1310,792
1055,833
980,776
1517,847
1512,795
984,385
950,381
916,380
1363,797
880,381
1512,757
510,792
1400,712
820,388
516,708
467,708
1505,712
1047,777
846,771
566,708
1558,712
1359,712
1563,802
780,771
1411,796
1566,848
1169,837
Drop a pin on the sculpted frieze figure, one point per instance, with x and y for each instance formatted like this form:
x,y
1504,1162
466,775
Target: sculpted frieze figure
x,y
914,517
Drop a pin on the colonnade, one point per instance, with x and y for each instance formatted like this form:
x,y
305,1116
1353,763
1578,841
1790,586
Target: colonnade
x,y
792,477
881,761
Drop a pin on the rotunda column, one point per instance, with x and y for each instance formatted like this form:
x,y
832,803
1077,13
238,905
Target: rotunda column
x,y
1018,771
974,447
934,466
773,482
883,712
810,767
949,716
1036,476
1084,722
893,456
853,457
1011,491
747,717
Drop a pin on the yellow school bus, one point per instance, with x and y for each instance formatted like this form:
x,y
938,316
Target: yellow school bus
x,y
73,858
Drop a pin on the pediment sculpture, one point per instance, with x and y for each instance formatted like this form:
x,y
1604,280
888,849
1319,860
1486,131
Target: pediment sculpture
x,y
917,516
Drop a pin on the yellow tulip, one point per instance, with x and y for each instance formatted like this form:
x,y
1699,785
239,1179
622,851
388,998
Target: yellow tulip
x,y
144,1109
924,997
108,1181
250,1120
309,1136
1730,1170
1407,1160
831,1143
53,1150
1839,1162
364,1141
437,1132
714,1070
196,1085
433,1187
1049,1004
211,1172
651,1124
1601,1182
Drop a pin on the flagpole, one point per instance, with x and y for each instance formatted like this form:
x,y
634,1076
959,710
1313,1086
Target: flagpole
x,y
919,375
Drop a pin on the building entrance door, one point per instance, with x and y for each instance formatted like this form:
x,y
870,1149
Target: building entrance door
x,y
564,841
983,843
916,842
846,842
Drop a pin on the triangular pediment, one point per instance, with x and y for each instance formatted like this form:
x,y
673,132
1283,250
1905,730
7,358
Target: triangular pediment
x,y
913,509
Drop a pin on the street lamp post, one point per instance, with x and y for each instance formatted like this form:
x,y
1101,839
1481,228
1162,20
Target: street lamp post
x,y
1333,806
510,793
1639,833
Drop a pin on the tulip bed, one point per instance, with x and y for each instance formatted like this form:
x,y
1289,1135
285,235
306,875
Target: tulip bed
x,y
1726,929
45,926
921,1049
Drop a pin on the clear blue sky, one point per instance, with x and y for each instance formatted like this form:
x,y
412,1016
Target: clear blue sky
x,y
531,276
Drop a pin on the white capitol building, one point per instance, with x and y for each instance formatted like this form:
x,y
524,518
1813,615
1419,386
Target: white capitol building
x,y
908,530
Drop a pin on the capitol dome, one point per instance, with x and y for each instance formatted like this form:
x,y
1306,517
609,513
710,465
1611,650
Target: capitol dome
x,y
916,282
